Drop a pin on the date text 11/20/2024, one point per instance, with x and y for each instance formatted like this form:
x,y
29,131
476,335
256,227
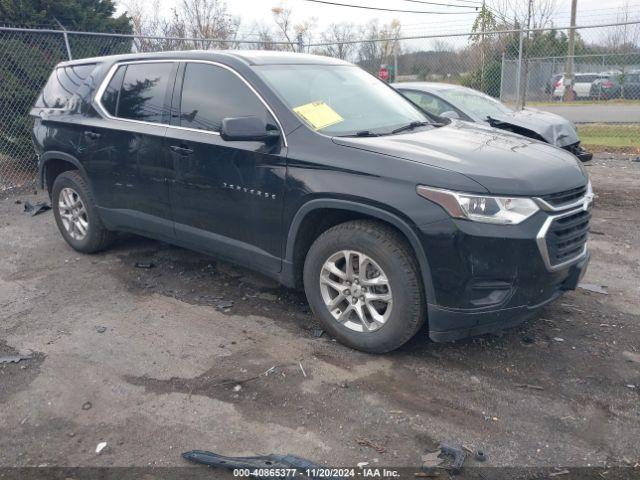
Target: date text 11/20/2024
x,y
328,473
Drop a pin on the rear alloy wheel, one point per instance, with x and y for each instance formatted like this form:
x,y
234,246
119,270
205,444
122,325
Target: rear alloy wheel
x,y
362,282
73,214
76,213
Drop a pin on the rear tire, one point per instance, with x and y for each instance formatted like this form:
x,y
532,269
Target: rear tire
x,y
377,309
76,214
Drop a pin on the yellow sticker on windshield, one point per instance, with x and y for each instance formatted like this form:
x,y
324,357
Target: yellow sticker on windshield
x,y
318,114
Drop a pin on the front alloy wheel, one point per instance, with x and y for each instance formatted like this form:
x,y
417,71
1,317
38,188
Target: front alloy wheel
x,y
363,284
356,291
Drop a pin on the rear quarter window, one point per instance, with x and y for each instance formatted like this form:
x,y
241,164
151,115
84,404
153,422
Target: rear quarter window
x,y
63,84
139,91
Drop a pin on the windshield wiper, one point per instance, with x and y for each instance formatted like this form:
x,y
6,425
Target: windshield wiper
x,y
363,133
410,126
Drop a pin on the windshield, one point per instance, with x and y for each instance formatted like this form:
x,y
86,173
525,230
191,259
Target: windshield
x,y
340,100
474,103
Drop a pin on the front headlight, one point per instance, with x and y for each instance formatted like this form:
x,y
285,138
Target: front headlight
x,y
481,208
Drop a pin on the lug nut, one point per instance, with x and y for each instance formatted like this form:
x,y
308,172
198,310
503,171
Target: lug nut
x,y
354,300
347,292
362,298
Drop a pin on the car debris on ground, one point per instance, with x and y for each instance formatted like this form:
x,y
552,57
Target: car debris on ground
x,y
100,447
455,454
592,287
631,356
224,304
317,332
145,265
480,456
558,473
263,463
365,442
35,209
14,358
527,386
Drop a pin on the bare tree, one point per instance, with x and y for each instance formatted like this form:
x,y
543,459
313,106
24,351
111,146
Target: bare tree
x,y
205,19
264,38
338,35
146,22
622,41
379,43
292,33
282,19
200,19
516,12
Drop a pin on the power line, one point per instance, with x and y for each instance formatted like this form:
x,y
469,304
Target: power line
x,y
441,4
387,9
561,16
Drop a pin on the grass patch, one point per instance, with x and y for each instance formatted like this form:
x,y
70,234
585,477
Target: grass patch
x,y
620,137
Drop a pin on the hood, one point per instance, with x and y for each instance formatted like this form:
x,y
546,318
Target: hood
x,y
502,162
553,128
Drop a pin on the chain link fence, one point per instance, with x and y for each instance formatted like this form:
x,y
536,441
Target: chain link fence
x,y
519,67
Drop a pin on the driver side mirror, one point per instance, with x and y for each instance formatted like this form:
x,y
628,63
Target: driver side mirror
x,y
236,129
450,114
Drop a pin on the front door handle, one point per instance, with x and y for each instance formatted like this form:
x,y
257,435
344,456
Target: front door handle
x,y
92,135
181,150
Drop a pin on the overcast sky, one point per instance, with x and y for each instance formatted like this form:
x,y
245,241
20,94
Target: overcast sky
x,y
251,11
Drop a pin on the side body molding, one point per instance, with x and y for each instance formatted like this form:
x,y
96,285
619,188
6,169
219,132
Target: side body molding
x,y
288,274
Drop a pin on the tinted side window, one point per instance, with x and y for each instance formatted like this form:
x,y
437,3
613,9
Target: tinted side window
x,y
63,83
109,98
143,92
211,93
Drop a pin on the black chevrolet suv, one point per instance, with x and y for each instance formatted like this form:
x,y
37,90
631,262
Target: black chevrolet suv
x,y
317,174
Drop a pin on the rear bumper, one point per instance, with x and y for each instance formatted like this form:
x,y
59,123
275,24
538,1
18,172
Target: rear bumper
x,y
449,324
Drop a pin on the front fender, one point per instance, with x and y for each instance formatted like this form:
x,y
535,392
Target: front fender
x,y
288,274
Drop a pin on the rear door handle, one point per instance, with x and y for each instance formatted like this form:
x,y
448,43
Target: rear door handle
x,y
92,135
181,150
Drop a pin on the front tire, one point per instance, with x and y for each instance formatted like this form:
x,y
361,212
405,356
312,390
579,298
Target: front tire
x,y
362,281
76,215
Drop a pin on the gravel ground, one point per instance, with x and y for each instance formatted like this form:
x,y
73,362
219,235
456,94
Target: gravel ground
x,y
198,354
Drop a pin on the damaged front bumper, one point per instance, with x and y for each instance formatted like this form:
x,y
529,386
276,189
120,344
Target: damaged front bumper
x,y
446,325
579,152
487,277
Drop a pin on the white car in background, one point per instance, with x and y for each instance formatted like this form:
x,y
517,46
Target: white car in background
x,y
582,85
462,103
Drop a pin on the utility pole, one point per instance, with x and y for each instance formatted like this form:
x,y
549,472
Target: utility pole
x,y
483,27
395,60
300,40
525,76
568,69
66,38
519,71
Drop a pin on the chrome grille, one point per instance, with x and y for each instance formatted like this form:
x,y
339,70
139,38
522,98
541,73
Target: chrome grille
x,y
566,197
